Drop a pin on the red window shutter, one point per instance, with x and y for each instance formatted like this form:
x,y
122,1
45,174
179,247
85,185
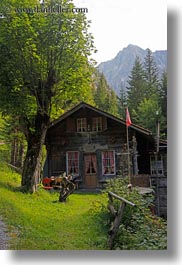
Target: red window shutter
x,y
104,123
70,125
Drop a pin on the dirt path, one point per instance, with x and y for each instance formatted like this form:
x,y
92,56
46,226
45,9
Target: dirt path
x,y
4,238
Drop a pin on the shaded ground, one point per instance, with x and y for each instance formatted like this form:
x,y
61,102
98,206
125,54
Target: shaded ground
x,y
4,238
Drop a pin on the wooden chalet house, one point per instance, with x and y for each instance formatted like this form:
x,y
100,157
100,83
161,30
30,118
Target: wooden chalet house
x,y
91,144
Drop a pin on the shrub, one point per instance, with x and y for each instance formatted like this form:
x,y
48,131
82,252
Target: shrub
x,y
140,230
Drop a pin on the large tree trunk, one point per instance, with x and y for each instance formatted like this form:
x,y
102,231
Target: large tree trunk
x,y
32,164
36,132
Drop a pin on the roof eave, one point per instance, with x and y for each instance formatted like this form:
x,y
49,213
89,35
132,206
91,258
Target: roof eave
x,y
83,104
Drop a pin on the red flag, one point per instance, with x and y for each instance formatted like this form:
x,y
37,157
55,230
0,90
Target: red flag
x,y
128,120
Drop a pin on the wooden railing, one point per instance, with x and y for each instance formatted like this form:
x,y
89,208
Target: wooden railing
x,y
117,214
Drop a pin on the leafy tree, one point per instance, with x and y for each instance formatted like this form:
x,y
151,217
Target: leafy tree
x,y
44,59
136,88
104,97
147,113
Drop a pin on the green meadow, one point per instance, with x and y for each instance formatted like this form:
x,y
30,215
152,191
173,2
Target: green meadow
x,y
39,222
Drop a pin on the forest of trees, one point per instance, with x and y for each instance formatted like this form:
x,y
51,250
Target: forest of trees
x,y
146,95
45,69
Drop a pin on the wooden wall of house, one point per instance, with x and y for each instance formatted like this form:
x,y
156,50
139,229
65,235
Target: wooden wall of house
x,y
63,137
159,184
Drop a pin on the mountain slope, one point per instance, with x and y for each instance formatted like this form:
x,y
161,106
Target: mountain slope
x,y
118,69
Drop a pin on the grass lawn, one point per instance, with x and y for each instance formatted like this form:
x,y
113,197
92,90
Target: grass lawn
x,y
39,221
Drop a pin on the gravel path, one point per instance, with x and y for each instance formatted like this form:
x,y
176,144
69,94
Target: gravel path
x,y
4,238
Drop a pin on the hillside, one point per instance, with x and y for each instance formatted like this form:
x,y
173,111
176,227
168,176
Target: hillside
x,y
117,70
39,222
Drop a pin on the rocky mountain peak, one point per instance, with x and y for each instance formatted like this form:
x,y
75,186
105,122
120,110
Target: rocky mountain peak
x,y
118,69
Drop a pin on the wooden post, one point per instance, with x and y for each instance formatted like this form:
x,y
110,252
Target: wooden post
x,y
115,225
117,215
156,159
128,151
157,134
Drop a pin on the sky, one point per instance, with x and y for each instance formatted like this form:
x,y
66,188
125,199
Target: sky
x,y
118,23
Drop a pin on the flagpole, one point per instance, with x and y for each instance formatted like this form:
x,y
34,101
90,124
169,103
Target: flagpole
x,y
128,123
128,151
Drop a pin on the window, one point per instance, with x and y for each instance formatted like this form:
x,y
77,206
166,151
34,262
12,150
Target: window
x,y
156,166
90,164
81,125
73,163
97,124
108,162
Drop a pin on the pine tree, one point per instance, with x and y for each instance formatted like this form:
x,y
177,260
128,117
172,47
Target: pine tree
x,y
122,102
100,96
104,97
163,101
136,88
151,74
112,103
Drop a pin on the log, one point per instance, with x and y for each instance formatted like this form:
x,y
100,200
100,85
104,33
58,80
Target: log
x,y
121,198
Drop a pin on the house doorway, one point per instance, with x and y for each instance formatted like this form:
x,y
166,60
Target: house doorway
x,y
90,170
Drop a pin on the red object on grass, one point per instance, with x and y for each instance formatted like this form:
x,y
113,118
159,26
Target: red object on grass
x,y
46,183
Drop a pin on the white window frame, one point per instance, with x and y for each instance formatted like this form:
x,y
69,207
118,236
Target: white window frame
x,y
105,174
96,123
67,162
81,125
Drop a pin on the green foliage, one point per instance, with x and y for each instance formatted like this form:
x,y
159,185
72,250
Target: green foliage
x,y
163,101
44,63
146,95
139,229
2,125
151,74
44,58
136,88
122,103
147,110
12,136
104,97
